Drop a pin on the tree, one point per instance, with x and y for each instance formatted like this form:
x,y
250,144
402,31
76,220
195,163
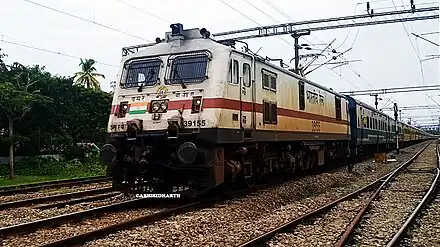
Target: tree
x,y
87,76
112,87
16,100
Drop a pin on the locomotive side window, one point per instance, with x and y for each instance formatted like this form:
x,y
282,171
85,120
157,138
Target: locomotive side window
x,y
338,107
270,113
265,80
273,83
246,75
142,73
189,69
302,99
269,80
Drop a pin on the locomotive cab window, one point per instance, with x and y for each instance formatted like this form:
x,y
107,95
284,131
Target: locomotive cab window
x,y
246,75
189,69
142,73
338,107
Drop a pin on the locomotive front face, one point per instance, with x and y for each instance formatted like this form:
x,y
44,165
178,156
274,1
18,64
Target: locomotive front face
x,y
159,128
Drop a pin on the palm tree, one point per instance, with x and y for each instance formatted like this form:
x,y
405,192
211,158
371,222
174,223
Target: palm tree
x,y
87,76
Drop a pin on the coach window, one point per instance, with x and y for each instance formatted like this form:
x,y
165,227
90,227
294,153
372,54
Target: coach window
x,y
338,107
246,75
302,100
368,122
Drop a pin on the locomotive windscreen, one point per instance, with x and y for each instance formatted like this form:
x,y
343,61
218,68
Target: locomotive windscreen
x,y
189,69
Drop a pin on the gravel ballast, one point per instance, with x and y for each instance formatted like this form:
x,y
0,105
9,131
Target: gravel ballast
x,y
47,235
324,230
395,203
54,191
239,220
426,229
21,215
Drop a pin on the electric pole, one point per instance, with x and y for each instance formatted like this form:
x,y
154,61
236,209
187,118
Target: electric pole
x,y
375,99
296,36
397,128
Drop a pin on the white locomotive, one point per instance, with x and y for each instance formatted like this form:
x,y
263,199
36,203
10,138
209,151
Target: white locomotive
x,y
192,113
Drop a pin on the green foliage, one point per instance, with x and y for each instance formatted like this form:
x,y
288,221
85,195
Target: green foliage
x,y
48,167
87,75
61,115
51,115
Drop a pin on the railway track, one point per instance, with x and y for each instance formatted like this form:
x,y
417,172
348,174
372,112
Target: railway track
x,y
400,194
102,224
26,188
105,193
328,216
95,217
32,226
428,198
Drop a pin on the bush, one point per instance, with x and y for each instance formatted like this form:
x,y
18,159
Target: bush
x,y
37,166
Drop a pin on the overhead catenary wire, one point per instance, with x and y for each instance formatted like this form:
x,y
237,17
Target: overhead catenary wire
x,y
144,11
416,51
87,20
30,46
273,6
247,17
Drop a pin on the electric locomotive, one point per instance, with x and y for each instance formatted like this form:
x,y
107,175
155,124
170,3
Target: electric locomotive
x,y
191,114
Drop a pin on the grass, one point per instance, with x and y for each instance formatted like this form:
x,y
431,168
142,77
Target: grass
x,y
5,181
36,170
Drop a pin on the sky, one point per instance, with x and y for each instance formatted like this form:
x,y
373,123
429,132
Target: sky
x,y
390,56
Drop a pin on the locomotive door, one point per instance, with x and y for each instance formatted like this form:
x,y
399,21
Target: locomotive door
x,y
246,92
240,88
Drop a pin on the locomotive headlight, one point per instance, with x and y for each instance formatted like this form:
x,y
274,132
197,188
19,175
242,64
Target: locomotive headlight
x,y
159,106
155,106
163,106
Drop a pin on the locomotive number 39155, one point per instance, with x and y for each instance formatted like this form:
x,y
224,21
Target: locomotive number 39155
x,y
191,123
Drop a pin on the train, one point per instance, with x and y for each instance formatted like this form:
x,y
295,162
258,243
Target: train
x,y
191,114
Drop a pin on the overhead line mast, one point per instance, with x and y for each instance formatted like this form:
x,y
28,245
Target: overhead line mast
x,y
393,90
331,23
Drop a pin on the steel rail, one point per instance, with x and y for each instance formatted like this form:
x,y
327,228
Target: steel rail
x,y
77,201
426,199
148,219
24,188
348,232
59,220
19,203
257,241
